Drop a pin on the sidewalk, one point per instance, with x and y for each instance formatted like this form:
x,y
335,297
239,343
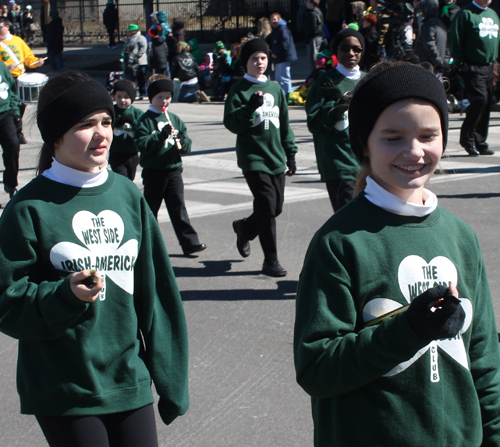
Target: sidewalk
x,y
99,60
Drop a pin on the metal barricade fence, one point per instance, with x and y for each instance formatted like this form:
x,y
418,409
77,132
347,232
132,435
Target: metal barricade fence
x,y
206,20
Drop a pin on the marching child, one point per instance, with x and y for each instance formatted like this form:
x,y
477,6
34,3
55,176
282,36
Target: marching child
x,y
162,137
87,287
123,155
395,338
256,110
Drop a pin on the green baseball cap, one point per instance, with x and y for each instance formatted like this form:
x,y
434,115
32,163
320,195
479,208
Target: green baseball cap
x,y
133,27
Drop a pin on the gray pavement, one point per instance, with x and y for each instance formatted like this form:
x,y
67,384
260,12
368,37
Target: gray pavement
x,y
242,381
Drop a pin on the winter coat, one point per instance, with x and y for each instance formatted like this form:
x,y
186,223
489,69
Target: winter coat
x,y
313,24
282,45
432,42
161,16
184,67
158,52
135,51
55,35
110,17
178,35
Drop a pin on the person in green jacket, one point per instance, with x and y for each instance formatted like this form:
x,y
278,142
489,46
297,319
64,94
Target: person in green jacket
x,y
87,287
123,154
256,111
326,109
395,337
161,138
473,40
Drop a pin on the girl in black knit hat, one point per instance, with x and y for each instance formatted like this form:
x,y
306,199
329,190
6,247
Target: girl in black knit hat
x,y
395,336
87,286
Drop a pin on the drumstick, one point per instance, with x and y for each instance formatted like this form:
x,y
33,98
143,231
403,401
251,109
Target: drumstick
x,y
177,141
43,59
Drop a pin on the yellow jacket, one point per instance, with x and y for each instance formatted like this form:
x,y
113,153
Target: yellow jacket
x,y
21,50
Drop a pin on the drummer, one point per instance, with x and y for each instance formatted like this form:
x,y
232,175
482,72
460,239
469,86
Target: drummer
x,y
17,55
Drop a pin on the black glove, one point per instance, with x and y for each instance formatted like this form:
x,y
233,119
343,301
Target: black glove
x,y
181,138
127,119
166,131
119,122
256,101
442,323
167,416
291,165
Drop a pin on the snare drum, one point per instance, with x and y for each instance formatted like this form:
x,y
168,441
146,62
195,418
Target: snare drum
x,y
29,86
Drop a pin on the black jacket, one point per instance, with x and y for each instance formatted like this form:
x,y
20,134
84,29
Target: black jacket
x,y
110,17
313,24
55,35
158,52
184,67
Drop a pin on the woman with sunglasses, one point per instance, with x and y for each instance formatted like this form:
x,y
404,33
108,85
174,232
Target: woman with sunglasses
x,y
326,109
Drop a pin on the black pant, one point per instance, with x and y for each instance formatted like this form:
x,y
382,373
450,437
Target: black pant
x,y
268,197
340,191
124,164
126,429
111,34
10,148
478,81
168,186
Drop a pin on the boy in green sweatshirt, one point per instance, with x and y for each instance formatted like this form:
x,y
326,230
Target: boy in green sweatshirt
x,y
161,138
256,110
123,155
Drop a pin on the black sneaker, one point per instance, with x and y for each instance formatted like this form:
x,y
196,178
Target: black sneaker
x,y
10,190
484,149
194,249
242,244
273,268
22,139
471,150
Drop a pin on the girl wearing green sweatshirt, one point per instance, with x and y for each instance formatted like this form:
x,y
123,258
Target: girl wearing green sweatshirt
x,y
87,287
395,338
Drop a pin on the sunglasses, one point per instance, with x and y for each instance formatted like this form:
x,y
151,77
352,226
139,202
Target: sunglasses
x,y
347,48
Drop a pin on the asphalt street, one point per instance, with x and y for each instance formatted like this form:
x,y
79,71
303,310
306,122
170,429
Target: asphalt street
x,y
242,379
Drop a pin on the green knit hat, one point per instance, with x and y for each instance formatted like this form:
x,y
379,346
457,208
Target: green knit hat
x,y
133,27
219,46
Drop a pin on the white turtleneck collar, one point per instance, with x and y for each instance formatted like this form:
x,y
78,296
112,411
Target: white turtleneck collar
x,y
7,37
389,202
73,177
350,73
255,80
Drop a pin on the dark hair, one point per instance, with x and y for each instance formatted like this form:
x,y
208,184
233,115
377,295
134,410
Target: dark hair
x,y
57,83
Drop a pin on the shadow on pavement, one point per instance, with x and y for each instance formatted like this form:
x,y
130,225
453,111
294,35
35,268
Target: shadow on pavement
x,y
285,291
485,195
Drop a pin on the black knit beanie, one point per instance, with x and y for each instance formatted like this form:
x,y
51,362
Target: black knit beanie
x,y
125,86
161,85
347,32
71,106
376,92
250,47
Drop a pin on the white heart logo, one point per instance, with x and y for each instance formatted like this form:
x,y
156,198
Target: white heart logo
x,y
103,249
